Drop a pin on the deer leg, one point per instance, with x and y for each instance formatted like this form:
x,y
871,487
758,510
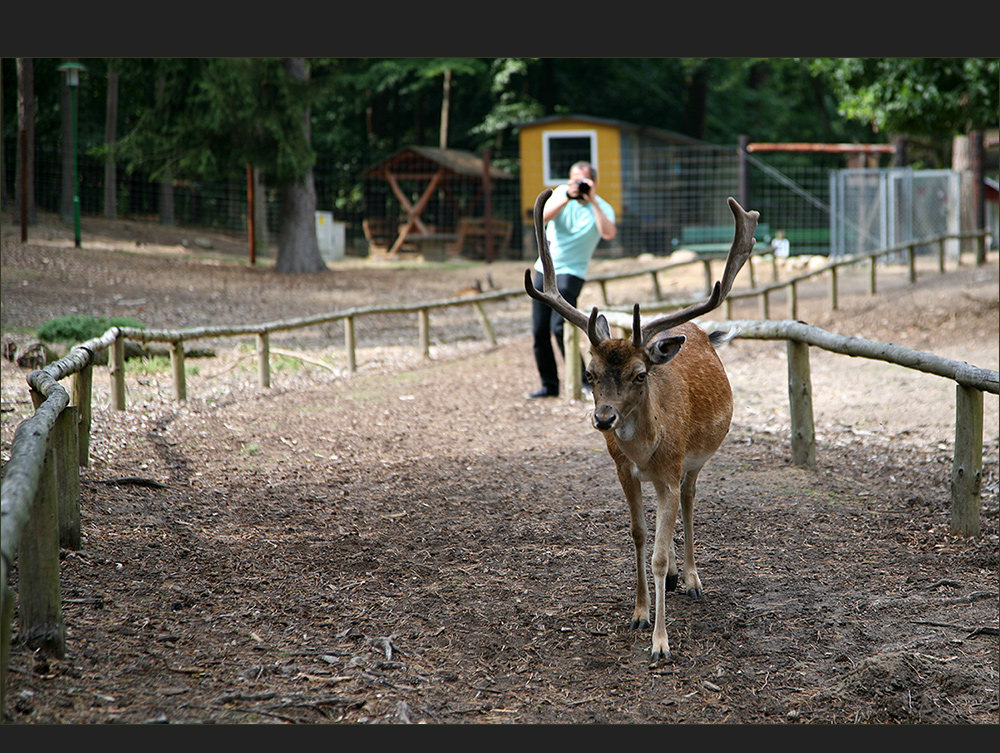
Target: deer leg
x,y
633,495
692,583
664,564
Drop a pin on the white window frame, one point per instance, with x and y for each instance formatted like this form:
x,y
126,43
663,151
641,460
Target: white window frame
x,y
548,136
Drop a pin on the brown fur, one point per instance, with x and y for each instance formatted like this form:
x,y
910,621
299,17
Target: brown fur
x,y
664,405
666,428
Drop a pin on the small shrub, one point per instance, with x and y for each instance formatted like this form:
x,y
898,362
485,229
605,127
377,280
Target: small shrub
x,y
82,327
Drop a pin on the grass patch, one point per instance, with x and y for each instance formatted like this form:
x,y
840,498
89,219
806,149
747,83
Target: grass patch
x,y
82,327
157,365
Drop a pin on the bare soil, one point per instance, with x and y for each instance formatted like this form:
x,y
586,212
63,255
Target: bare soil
x,y
416,542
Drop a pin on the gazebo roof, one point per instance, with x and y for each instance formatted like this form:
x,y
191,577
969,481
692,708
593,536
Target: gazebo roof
x,y
423,162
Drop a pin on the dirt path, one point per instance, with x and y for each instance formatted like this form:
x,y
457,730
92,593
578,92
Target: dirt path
x,y
417,542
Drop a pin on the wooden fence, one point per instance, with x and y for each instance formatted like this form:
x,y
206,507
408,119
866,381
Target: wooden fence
x,y
41,484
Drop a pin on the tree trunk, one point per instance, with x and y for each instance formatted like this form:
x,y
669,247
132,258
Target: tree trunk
x,y
445,108
260,210
66,148
166,199
695,99
110,134
26,125
298,250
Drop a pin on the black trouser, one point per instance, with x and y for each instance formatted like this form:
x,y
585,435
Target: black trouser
x,y
546,324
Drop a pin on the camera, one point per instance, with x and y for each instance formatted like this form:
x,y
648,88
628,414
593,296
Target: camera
x,y
582,189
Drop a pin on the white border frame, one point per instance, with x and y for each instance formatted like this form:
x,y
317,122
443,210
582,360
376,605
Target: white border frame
x,y
591,134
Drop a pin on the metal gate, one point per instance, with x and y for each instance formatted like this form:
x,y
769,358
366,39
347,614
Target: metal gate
x,y
872,209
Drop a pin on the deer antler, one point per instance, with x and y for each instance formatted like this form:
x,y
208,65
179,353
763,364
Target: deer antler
x,y
595,326
743,243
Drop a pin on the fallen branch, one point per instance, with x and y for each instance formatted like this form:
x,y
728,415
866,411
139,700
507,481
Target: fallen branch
x,y
231,366
983,631
303,357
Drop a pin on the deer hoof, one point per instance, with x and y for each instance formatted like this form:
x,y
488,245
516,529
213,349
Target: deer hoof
x,y
694,593
640,625
659,658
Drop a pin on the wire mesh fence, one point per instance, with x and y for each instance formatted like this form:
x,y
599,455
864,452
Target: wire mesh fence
x,y
873,209
671,197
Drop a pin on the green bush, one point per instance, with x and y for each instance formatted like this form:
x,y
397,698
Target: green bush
x,y
81,327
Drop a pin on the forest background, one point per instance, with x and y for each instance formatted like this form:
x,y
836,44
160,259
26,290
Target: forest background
x,y
184,120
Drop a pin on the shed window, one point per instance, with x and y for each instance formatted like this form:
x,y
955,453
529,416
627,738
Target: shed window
x,y
562,148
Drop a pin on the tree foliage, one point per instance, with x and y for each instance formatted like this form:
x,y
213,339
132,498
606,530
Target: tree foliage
x,y
210,117
922,97
205,119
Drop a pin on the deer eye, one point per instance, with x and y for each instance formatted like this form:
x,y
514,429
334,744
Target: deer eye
x,y
640,377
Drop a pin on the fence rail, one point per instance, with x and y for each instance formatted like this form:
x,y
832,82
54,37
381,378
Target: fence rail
x,y
40,488
971,382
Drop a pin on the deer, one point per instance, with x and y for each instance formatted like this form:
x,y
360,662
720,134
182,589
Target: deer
x,y
664,404
470,291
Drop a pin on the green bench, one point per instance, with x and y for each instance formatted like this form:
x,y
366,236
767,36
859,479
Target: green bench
x,y
715,238
811,241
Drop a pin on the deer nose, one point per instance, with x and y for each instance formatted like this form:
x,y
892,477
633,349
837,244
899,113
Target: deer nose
x,y
605,418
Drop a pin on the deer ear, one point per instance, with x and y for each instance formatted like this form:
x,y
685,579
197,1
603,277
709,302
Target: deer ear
x,y
663,349
603,330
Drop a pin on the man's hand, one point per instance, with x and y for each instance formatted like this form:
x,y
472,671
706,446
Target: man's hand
x,y
581,190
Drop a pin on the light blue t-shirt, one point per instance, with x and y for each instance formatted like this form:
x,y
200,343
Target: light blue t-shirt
x,y
573,236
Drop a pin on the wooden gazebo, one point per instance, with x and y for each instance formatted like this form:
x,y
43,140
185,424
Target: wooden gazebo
x,y
423,170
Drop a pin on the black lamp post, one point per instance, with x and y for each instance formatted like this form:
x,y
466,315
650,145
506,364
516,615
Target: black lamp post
x,y
73,71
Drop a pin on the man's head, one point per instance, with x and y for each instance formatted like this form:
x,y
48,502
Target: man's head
x,y
582,169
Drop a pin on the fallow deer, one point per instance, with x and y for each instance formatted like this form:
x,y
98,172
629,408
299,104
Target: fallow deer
x,y
663,403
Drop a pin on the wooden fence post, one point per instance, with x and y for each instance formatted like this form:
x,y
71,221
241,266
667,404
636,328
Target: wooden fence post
x,y
573,382
83,382
65,441
485,321
833,288
708,276
40,599
871,272
793,301
800,405
177,368
967,464
6,618
424,325
263,360
912,261
116,366
352,362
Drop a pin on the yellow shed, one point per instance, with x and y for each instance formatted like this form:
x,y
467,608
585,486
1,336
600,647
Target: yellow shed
x,y
550,145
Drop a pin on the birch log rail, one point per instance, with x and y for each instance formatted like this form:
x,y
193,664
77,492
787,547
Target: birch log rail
x,y
971,382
